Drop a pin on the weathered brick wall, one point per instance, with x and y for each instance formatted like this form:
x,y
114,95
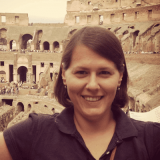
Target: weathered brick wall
x,y
15,19
6,115
111,11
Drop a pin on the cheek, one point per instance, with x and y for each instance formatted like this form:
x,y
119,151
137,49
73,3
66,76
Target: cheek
x,y
110,84
110,89
75,87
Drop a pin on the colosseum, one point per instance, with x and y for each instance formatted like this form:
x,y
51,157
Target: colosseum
x,y
30,54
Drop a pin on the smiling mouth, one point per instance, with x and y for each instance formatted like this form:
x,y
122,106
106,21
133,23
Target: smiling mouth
x,y
92,99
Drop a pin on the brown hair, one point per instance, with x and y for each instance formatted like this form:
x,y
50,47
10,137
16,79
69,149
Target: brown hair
x,y
104,43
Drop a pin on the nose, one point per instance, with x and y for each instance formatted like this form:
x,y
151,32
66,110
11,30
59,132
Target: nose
x,y
92,83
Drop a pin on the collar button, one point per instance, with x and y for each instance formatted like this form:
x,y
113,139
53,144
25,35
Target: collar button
x,y
108,152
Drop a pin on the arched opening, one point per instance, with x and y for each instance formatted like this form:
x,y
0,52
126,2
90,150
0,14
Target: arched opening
x,y
22,74
20,107
3,40
46,45
29,107
55,46
2,76
7,101
25,38
13,44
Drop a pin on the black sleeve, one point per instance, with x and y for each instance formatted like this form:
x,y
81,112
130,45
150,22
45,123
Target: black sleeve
x,y
19,138
156,141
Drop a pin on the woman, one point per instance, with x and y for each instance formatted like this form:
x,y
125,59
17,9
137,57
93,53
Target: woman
x,y
92,85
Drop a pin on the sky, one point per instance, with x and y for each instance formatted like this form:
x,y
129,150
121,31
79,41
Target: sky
x,y
39,11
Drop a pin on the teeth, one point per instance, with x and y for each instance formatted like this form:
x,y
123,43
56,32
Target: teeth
x,y
92,99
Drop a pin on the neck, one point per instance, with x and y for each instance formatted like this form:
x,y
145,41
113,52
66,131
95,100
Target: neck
x,y
96,125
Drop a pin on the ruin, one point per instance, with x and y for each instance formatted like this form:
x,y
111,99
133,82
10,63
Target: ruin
x,y
27,50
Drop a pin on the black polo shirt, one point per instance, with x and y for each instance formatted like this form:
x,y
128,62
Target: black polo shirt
x,y
55,137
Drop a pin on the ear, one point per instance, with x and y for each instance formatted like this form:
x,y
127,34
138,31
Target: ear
x,y
63,74
120,79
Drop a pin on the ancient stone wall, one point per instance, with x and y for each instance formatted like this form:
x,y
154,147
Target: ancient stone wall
x,y
38,37
110,12
48,24
86,5
14,19
144,82
7,113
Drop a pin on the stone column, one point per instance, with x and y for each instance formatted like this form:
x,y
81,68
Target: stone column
x,y
51,47
60,47
17,46
8,46
29,76
30,79
15,67
15,75
32,46
41,47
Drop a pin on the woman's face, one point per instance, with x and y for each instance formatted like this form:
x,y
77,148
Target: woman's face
x,y
92,82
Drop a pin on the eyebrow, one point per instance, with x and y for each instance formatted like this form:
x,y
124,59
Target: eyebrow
x,y
85,68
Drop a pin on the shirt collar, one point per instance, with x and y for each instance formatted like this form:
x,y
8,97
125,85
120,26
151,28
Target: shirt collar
x,y
65,121
124,126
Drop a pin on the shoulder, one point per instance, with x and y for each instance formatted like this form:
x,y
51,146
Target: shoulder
x,y
149,132
34,123
147,126
42,119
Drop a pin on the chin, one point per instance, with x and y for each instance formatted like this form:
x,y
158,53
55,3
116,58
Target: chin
x,y
94,113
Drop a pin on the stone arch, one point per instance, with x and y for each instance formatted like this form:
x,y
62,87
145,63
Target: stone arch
x,y
12,44
56,46
3,32
22,61
20,107
22,74
46,45
3,40
25,38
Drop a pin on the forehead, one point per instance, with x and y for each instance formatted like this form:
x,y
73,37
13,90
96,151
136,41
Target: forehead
x,y
82,55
